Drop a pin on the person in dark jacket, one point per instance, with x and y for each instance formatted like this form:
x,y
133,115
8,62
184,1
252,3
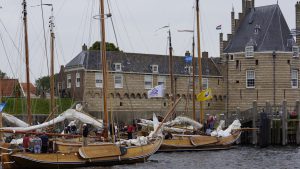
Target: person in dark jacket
x,y
45,142
85,133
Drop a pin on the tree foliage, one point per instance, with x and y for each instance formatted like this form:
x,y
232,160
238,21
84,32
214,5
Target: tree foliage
x,y
43,84
2,75
109,46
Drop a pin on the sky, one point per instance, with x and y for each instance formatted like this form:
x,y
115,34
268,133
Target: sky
x,y
136,24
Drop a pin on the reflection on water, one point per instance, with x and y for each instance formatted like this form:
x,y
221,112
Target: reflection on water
x,y
239,157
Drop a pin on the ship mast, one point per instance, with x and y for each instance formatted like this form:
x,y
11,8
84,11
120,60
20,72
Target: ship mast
x,y
52,100
29,116
194,80
199,58
171,67
104,67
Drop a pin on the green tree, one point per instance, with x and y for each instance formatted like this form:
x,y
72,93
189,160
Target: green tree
x,y
2,75
43,84
109,46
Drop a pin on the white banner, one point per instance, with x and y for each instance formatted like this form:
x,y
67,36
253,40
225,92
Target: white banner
x,y
157,91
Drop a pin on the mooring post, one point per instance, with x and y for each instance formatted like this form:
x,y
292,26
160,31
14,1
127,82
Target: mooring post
x,y
284,123
239,117
254,118
298,124
268,126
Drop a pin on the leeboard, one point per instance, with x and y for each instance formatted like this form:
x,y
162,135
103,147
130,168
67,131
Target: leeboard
x,y
90,152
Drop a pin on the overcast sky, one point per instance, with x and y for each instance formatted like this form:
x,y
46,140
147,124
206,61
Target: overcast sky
x,y
136,23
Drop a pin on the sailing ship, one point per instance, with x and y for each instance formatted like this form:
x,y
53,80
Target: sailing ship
x,y
69,155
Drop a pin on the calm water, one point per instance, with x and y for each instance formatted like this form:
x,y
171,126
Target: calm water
x,y
237,158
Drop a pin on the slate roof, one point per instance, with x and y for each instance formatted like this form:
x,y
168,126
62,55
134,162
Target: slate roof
x,y
273,31
139,63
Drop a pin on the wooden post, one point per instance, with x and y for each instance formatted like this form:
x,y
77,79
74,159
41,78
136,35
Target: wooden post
x,y
268,126
238,116
284,123
254,118
298,124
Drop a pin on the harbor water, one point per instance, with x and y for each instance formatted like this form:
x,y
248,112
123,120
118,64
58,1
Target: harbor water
x,y
240,157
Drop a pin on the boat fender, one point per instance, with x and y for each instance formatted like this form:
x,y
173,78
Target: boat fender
x,y
123,150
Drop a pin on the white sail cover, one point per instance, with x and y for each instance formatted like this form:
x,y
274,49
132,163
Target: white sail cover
x,y
69,114
13,120
168,126
236,124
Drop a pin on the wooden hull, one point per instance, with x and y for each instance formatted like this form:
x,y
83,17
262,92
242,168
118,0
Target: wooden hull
x,y
198,142
132,154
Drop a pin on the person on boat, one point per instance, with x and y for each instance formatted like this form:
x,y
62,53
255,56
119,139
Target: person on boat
x,y
26,142
85,133
45,142
168,136
37,145
130,130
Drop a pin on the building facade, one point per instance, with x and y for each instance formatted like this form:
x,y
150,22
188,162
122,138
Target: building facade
x,y
261,58
131,75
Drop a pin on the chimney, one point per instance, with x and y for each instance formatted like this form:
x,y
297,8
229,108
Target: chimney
x,y
187,53
221,43
297,22
247,5
84,47
205,55
232,22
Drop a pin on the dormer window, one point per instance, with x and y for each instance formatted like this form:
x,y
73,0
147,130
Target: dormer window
x,y
189,69
154,68
295,51
249,51
118,67
256,29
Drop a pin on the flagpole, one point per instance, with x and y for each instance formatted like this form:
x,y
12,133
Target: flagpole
x,y
199,59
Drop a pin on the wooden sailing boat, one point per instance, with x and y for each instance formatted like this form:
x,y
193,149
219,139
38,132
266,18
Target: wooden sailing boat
x,y
197,142
91,155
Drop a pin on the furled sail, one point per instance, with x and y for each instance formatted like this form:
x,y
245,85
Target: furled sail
x,y
13,120
69,114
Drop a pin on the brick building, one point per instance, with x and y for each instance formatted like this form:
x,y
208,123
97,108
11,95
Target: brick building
x,y
131,75
261,58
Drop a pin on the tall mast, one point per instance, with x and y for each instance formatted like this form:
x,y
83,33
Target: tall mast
x,y
199,58
171,67
104,67
29,116
52,100
194,80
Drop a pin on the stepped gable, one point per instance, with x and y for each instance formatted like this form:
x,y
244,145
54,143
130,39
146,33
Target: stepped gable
x,y
264,27
139,63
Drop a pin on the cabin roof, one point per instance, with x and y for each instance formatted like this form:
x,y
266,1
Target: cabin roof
x,y
140,63
263,27
8,87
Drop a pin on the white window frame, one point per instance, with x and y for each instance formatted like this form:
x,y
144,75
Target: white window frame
x,y
249,51
148,79
118,67
118,85
294,78
77,79
295,50
249,78
154,68
190,70
161,80
204,83
98,80
69,81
